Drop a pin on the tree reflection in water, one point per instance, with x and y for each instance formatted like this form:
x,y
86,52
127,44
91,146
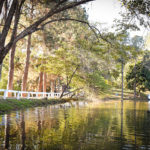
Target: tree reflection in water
x,y
135,122
23,133
94,126
7,130
121,123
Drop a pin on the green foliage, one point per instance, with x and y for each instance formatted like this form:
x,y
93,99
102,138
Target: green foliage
x,y
63,46
139,9
97,82
140,75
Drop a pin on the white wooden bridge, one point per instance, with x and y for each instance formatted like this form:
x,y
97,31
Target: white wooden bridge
x,y
30,95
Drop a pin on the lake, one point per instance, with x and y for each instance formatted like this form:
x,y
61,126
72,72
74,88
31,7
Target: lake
x,y
100,125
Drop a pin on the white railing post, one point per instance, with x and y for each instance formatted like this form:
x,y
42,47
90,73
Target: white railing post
x,y
18,95
5,94
52,94
15,94
21,94
36,94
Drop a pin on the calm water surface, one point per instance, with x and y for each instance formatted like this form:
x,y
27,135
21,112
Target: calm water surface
x,y
78,126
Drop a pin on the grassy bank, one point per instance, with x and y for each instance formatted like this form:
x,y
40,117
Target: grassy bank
x,y
115,94
13,104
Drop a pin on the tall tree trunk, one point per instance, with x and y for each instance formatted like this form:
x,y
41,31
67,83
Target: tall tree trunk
x,y
44,82
26,69
11,69
3,19
1,70
52,86
40,86
122,72
1,5
59,85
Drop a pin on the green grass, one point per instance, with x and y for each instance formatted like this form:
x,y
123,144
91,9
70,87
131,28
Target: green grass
x,y
115,94
13,104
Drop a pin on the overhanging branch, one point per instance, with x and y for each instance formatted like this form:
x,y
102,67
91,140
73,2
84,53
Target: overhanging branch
x,y
69,19
73,91
93,28
34,27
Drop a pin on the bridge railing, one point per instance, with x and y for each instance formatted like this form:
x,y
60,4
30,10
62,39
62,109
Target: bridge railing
x,y
24,94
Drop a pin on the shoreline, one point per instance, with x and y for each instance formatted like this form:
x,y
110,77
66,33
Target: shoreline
x,y
13,104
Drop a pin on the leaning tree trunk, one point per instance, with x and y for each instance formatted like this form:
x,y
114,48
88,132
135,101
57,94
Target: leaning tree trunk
x,y
3,19
11,69
26,69
1,71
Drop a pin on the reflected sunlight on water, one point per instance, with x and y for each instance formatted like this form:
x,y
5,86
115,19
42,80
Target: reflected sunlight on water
x,y
78,126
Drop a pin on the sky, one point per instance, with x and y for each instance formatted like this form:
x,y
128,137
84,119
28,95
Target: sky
x,y
105,11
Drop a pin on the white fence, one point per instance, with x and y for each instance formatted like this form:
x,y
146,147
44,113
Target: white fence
x,y
28,95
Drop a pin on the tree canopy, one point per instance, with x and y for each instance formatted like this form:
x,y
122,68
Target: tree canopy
x,y
12,12
139,9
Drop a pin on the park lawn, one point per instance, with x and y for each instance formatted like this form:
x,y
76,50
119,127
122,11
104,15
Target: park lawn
x,y
115,94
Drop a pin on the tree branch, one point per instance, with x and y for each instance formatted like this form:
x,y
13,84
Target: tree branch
x,y
62,94
16,21
73,91
8,23
69,19
34,27
1,5
93,28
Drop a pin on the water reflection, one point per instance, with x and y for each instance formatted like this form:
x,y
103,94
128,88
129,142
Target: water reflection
x,y
135,122
121,123
23,134
7,130
78,126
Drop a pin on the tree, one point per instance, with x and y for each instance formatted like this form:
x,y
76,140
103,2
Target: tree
x,y
137,43
11,69
141,77
26,68
139,9
123,53
97,82
16,9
